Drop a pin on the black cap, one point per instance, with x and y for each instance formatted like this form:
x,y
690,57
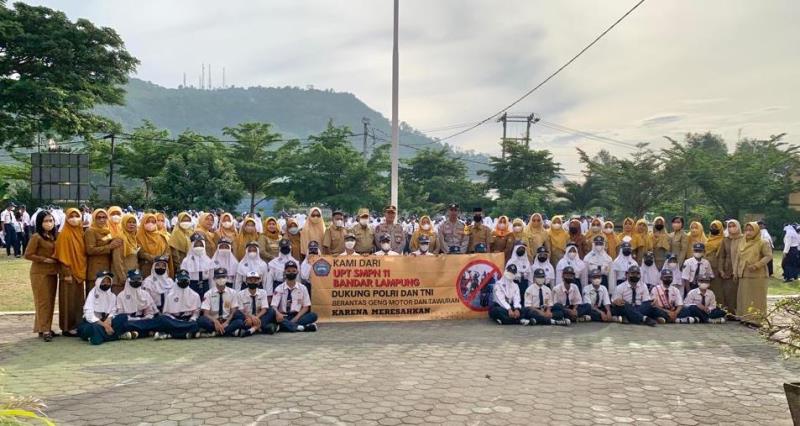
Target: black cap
x,y
539,273
164,259
251,244
313,245
704,278
424,239
220,273
633,269
511,268
350,236
290,264
541,249
452,206
568,270
599,241
625,244
666,272
135,275
385,237
104,273
225,240
477,210
182,275
699,247
284,243
596,273
197,237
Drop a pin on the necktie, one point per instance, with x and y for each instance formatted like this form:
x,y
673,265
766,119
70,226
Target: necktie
x,y
253,304
541,298
288,300
633,296
162,302
566,297
597,298
702,299
219,309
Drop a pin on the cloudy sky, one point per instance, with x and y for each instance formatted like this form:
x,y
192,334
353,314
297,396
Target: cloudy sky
x,y
671,67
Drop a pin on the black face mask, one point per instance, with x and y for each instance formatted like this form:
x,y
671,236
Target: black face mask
x,y
520,251
286,250
659,226
183,284
160,271
542,258
477,218
136,284
626,252
666,281
648,262
313,251
291,275
634,278
568,280
714,231
252,286
105,287
574,231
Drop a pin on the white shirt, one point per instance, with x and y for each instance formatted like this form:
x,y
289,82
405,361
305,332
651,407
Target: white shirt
x,y
247,265
276,266
506,294
300,298
651,275
602,260
567,297
157,285
581,272
790,238
419,253
590,296
695,297
388,253
136,302
305,269
691,266
197,265
625,292
549,271
768,238
246,300
99,303
532,297
669,298
26,218
8,217
181,302
210,305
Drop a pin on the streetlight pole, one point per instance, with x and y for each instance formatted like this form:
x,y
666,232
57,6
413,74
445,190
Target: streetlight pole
x,y
395,128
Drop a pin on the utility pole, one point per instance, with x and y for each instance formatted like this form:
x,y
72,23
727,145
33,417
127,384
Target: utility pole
x,y
111,168
210,87
184,80
365,121
203,77
527,119
395,127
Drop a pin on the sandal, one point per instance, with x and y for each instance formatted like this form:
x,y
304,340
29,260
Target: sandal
x,y
48,337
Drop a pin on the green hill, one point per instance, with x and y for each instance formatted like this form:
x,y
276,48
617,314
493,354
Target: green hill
x,y
295,112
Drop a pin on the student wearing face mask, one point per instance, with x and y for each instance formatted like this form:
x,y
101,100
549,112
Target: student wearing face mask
x,y
269,239
292,303
158,284
622,264
43,274
275,275
71,255
703,304
557,238
199,265
751,269
631,300
519,259
506,304
668,300
179,244
220,314
538,306
424,248
135,303
696,266
596,304
349,245
251,262
224,258
385,246
659,241
478,232
365,236
572,260
678,240
247,234
178,319
542,261
598,260
254,305
651,276
333,239
152,243
100,321
307,263
567,295
292,235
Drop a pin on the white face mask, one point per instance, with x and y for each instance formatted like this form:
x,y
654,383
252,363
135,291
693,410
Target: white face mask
x,y
703,286
598,249
363,221
572,255
697,255
293,230
556,226
48,226
220,282
539,281
509,276
116,218
426,226
150,227
595,228
517,228
74,221
672,265
608,230
424,247
252,255
501,226
349,244
224,252
338,222
185,225
386,246
198,250
597,281
227,224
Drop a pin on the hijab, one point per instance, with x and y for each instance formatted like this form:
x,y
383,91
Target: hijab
x,y
201,228
430,233
153,242
294,238
696,234
660,239
522,262
245,237
195,264
179,238
629,234
577,238
558,237
103,232
313,230
229,233
536,233
739,234
70,247
134,300
521,235
247,265
591,234
612,242
161,224
500,233
227,261
750,248
128,238
714,241
272,235
116,228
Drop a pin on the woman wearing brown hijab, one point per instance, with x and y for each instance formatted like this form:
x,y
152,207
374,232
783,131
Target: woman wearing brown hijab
x,y
71,255
41,252
751,268
152,242
99,245
730,256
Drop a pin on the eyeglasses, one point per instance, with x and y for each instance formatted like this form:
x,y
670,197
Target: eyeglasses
x,y
315,215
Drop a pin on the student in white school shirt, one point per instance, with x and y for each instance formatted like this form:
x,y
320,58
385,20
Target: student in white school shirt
x,y
572,260
100,320
251,262
542,261
276,265
220,310
621,265
598,259
292,303
695,266
631,299
702,303
135,303
158,284
651,276
181,309
386,247
506,303
538,307
596,304
199,265
306,264
668,300
254,305
424,246
567,295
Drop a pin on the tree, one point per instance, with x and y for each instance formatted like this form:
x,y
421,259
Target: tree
x,y
257,165
197,176
520,204
53,72
580,197
144,154
522,168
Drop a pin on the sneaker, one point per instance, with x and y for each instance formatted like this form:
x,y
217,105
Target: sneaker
x,y
129,335
524,321
271,329
301,328
245,333
237,333
585,318
686,320
161,336
499,321
649,322
311,327
661,320
697,320
717,321
616,318
563,322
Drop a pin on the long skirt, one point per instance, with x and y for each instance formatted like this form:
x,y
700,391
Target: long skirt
x,y
70,304
752,298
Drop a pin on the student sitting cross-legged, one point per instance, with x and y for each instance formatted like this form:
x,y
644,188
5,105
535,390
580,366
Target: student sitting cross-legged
x,y
135,303
566,295
506,306
539,308
668,302
254,305
596,304
220,309
703,304
292,303
631,299
181,309
100,323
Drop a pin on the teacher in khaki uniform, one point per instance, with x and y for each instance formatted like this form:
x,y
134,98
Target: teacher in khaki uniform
x,y
392,229
452,238
365,236
478,233
333,239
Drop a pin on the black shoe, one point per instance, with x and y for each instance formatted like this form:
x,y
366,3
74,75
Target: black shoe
x,y
69,334
311,327
270,329
47,337
650,322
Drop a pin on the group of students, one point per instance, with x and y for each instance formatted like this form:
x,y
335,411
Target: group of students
x,y
71,250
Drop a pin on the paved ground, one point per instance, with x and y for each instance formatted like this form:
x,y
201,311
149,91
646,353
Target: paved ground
x,y
468,372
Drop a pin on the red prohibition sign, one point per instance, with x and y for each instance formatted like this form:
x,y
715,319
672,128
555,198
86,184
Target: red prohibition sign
x,y
472,280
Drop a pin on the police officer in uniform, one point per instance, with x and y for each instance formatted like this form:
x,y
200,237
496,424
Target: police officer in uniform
x,y
392,229
333,240
365,236
451,233
479,233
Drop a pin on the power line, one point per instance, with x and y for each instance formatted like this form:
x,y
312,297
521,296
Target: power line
x,y
529,92
590,136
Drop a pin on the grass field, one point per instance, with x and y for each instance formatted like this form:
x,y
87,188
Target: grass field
x,y
15,289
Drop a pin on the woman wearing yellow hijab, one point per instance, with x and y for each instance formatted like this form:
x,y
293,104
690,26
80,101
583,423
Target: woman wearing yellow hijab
x,y
269,239
518,233
71,256
730,281
425,228
612,243
751,268
537,235
99,244
557,237
641,240
227,228
696,234
659,241
313,230
715,253
161,222
115,221
179,245
502,237
247,234
595,230
125,257
153,243
205,226
627,231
